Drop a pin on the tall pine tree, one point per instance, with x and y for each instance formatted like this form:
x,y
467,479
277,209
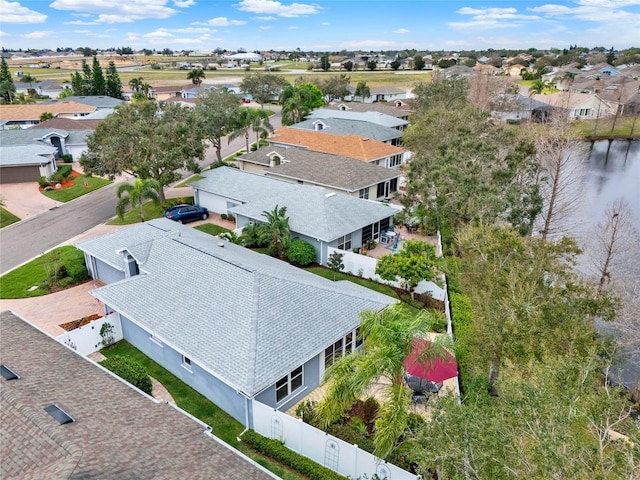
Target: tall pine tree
x,y
7,88
98,84
114,84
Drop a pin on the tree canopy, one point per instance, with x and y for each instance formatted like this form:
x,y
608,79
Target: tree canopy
x,y
217,112
7,87
263,87
146,140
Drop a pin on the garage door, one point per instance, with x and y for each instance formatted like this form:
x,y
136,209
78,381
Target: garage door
x,y
19,174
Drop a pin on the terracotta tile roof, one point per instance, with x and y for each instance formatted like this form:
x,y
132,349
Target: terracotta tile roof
x,y
118,432
32,112
352,146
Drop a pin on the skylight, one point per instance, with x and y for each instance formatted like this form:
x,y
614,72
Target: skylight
x,y
8,374
60,415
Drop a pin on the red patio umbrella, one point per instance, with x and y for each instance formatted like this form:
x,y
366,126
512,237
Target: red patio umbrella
x,y
437,369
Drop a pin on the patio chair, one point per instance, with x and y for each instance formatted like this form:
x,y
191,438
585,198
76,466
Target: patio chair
x,y
384,238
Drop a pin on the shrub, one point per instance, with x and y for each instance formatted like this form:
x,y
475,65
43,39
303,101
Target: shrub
x,y
66,157
42,181
223,216
351,435
62,272
56,177
307,412
438,323
78,273
64,170
301,252
65,282
277,451
366,411
129,370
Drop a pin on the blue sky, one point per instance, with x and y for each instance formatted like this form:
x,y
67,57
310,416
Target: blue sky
x,y
321,25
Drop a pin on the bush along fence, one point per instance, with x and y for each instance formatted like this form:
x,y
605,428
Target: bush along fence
x,y
93,336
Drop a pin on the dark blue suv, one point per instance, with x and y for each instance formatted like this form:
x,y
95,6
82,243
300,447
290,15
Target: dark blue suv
x,y
186,213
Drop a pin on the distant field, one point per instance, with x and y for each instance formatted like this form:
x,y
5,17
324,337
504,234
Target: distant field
x,y
127,70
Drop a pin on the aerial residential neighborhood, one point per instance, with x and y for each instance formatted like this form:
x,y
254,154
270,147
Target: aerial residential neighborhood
x,y
273,242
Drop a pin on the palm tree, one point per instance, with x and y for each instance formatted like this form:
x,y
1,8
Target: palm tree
x,y
295,104
362,90
136,83
538,86
136,193
246,120
196,75
278,230
261,126
388,337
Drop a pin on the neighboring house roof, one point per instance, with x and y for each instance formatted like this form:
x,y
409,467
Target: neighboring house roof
x,y
32,112
386,90
388,108
118,431
69,124
352,146
333,171
566,100
25,155
368,116
230,318
30,136
343,126
98,101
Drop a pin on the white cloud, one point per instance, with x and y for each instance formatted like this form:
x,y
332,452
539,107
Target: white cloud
x,y
401,30
266,18
265,27
184,3
79,22
13,12
82,31
325,24
491,18
4,34
37,34
221,22
110,11
272,7
293,27
598,11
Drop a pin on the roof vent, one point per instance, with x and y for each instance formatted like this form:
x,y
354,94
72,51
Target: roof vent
x,y
221,244
8,374
332,194
60,415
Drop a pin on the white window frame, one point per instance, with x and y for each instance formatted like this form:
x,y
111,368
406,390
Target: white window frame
x,y
344,242
364,193
156,341
287,382
186,363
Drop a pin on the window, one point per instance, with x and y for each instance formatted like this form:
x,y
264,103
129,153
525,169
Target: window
x,y
364,193
395,160
393,185
381,191
289,384
359,338
344,243
186,363
156,341
332,353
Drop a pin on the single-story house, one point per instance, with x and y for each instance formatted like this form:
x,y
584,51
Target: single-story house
x,y
100,102
236,325
377,94
343,126
27,115
578,106
352,146
317,215
65,417
333,172
25,163
376,117
68,135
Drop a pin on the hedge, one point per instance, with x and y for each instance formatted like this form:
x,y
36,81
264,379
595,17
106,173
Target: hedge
x,y
64,170
129,370
279,452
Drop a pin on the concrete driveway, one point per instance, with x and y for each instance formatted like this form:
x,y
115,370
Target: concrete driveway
x,y
47,312
24,200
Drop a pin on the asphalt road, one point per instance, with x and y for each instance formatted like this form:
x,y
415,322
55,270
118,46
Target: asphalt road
x,y
29,238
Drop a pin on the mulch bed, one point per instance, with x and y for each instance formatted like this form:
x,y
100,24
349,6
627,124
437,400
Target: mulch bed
x,y
66,182
80,323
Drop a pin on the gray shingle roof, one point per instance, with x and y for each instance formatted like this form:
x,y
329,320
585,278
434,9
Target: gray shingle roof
x,y
332,171
98,101
118,433
24,155
318,213
373,117
387,108
28,136
345,126
245,317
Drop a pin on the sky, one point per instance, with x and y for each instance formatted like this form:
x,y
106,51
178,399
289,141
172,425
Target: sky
x,y
369,25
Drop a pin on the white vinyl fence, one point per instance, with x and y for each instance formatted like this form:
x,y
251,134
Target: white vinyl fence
x,y
86,340
325,449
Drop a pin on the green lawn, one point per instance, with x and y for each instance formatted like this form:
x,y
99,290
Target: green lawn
x,y
16,283
222,425
79,189
378,287
192,178
7,218
623,128
211,229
